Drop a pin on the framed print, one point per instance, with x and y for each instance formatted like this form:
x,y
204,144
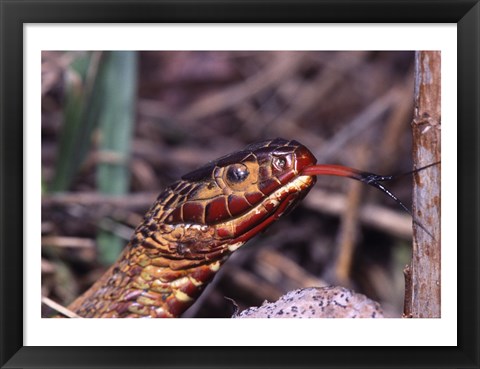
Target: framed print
x,y
234,103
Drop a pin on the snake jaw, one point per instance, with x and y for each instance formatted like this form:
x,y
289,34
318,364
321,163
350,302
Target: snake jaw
x,y
284,199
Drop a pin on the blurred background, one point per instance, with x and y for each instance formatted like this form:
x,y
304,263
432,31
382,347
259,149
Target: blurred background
x,y
118,127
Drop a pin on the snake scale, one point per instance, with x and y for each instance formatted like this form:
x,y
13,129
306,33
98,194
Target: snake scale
x,y
198,222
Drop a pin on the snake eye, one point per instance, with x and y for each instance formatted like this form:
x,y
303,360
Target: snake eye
x,y
237,173
279,162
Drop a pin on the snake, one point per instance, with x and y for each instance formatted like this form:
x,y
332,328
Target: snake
x,y
196,223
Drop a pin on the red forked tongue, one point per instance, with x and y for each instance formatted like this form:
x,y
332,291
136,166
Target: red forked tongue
x,y
365,177
341,171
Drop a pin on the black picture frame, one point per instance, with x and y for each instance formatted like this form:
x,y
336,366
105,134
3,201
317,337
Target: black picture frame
x,y
465,13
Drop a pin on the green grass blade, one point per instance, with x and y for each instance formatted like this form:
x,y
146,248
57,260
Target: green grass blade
x,y
119,82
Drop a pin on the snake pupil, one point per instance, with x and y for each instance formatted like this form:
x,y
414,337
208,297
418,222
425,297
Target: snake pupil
x,y
237,173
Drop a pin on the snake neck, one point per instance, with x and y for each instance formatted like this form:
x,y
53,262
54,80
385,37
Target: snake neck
x,y
144,283
161,272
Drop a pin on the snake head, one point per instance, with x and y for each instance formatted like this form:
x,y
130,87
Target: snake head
x,y
194,226
240,194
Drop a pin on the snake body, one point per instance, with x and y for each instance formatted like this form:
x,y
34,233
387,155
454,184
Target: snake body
x,y
194,226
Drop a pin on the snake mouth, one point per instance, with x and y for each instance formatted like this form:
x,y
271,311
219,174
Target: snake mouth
x,y
239,230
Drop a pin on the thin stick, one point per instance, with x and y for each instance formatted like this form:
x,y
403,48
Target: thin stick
x,y
59,308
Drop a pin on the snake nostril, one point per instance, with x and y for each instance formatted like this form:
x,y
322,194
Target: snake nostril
x,y
279,162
